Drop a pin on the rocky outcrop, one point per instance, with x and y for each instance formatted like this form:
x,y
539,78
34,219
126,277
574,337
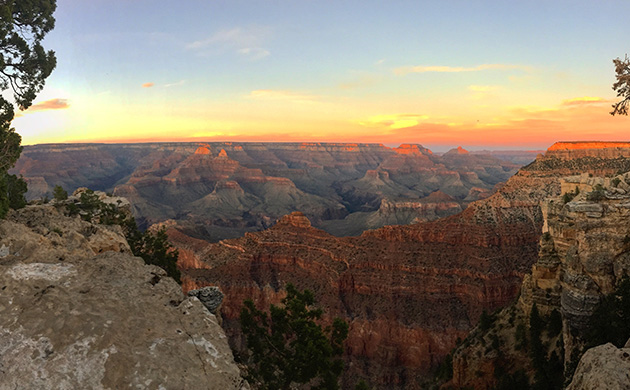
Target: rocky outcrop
x,y
603,367
77,310
584,252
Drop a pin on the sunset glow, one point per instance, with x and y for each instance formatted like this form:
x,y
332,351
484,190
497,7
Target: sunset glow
x,y
489,74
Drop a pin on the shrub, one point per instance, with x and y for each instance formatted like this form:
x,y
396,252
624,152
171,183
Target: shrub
x,y
289,346
59,193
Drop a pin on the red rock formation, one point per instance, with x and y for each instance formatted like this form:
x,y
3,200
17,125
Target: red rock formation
x,y
407,291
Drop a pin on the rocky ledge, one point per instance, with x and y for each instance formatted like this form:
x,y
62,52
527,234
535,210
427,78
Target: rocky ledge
x,y
78,311
603,367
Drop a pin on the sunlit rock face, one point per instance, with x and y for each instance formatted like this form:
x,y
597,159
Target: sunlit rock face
x,y
222,190
78,311
408,292
583,254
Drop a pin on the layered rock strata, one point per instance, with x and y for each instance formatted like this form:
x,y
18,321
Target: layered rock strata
x,y
222,190
583,254
408,292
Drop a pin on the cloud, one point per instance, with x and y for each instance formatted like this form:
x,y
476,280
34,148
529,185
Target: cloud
x,y
254,53
52,104
244,41
584,100
456,69
273,94
177,84
394,122
147,85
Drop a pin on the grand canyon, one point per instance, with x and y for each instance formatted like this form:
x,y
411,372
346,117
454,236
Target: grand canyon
x,y
250,218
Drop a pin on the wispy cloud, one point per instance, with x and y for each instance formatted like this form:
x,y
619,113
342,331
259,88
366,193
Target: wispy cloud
x,y
361,81
274,94
401,71
147,85
396,121
244,41
177,84
584,100
254,53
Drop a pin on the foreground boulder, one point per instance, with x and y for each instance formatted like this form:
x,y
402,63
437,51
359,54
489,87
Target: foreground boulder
x,y
78,311
603,367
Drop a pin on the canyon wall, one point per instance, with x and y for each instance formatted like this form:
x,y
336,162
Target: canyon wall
x,y
583,254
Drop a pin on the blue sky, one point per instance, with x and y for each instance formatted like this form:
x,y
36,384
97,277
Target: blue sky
x,y
476,73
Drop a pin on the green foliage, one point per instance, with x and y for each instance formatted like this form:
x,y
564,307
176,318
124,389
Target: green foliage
x,y
549,372
515,381
16,188
154,248
362,385
622,86
24,65
288,345
59,193
445,370
521,336
569,196
611,320
12,190
485,321
597,194
554,326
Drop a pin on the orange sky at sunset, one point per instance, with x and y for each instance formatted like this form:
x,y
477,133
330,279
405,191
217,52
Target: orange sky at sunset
x,y
484,75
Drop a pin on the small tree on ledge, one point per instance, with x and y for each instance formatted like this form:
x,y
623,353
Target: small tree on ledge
x,y
289,347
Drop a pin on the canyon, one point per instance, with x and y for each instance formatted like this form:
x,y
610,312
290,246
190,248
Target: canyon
x,y
222,190
408,292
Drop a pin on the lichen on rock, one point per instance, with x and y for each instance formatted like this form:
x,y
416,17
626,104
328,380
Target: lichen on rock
x,y
78,311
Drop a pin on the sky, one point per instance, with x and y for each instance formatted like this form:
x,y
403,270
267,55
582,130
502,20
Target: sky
x,y
480,74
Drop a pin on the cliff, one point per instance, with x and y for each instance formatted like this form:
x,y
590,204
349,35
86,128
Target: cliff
x,y
408,292
77,310
583,254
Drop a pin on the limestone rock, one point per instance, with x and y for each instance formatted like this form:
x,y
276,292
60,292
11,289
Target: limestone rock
x,y
74,318
603,367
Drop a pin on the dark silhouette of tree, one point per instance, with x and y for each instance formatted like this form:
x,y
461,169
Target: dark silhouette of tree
x,y
289,346
610,323
622,86
24,66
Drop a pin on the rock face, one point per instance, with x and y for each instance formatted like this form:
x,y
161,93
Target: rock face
x,y
583,253
603,367
77,311
408,292
222,190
